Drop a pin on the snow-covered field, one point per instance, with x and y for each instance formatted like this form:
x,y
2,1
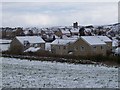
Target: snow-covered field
x,y
4,47
4,44
18,73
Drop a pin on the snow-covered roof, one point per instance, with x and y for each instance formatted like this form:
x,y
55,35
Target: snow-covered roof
x,y
105,38
73,37
64,37
63,41
117,50
4,47
65,31
87,29
30,39
3,41
26,32
56,36
32,49
93,40
115,42
74,30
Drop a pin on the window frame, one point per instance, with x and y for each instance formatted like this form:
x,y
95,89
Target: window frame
x,y
82,48
94,48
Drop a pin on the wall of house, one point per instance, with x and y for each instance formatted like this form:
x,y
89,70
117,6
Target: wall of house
x,y
109,46
42,45
82,48
79,48
59,49
58,33
16,46
98,50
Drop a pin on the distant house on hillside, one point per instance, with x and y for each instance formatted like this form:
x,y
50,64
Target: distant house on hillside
x,y
62,32
74,31
88,32
22,43
82,31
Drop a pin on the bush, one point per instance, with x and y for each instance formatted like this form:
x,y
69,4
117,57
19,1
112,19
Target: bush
x,y
66,58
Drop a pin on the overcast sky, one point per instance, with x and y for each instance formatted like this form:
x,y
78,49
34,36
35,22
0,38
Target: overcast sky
x,y
45,14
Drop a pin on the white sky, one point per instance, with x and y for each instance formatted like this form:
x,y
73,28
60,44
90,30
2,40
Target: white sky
x,y
43,14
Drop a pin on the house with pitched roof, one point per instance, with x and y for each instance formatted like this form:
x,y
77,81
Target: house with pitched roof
x,y
81,46
74,31
89,46
62,32
108,42
61,46
22,43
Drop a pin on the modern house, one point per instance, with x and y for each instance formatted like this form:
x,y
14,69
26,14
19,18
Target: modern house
x,y
61,46
89,46
108,42
75,45
82,46
74,31
62,32
22,43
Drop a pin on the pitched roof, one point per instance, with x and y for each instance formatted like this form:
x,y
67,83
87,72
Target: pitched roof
x,y
3,41
87,29
93,40
30,39
117,50
74,30
105,38
63,41
65,31
115,42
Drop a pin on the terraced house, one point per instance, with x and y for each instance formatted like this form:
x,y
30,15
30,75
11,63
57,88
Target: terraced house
x,y
82,46
62,46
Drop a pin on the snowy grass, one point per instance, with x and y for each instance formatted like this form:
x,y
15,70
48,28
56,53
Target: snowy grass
x,y
18,73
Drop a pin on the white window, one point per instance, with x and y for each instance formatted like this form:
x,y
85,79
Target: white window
x,y
35,45
59,47
101,47
94,48
82,48
64,47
